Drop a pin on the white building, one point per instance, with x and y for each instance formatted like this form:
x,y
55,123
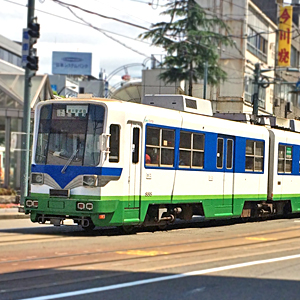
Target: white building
x,y
11,109
254,34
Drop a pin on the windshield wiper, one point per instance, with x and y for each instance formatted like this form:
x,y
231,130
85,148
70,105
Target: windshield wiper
x,y
69,161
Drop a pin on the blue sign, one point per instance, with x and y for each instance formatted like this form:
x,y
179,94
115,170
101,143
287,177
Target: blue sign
x,y
71,63
25,47
298,85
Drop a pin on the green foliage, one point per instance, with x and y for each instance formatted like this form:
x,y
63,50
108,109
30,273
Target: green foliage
x,y
56,94
190,38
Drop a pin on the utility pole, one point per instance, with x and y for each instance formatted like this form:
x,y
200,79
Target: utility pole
x,y
260,81
205,79
30,61
255,96
191,78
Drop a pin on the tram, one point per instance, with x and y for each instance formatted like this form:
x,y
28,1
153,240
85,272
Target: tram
x,y
105,162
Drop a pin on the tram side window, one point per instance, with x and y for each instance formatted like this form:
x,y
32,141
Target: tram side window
x,y
191,150
43,134
135,145
285,159
114,143
229,154
160,147
254,156
220,153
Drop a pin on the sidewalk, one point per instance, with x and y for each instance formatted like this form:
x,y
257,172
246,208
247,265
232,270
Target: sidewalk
x,y
10,211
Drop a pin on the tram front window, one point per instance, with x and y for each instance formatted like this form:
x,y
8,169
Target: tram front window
x,y
69,134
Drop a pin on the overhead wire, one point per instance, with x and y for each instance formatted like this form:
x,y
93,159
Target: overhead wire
x,y
98,29
149,3
133,16
99,15
79,23
103,31
68,5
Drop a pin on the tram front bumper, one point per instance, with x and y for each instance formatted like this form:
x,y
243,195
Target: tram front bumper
x,y
99,211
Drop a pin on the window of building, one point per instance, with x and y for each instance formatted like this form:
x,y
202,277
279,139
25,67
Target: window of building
x,y
249,90
10,57
257,44
160,144
81,90
191,150
294,57
285,158
254,156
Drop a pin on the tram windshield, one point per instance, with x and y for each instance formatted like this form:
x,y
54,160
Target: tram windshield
x,y
69,134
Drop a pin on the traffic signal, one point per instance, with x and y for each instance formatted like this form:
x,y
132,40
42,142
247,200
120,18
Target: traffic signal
x,y
32,62
34,29
257,72
34,34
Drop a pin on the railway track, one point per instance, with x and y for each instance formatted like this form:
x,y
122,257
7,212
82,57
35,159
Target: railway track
x,y
53,268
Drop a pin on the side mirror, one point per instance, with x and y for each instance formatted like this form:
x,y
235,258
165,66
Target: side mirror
x,y
103,142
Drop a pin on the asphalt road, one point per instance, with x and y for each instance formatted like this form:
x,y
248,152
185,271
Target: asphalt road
x,y
227,260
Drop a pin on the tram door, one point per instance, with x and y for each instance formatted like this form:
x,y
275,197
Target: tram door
x,y
225,164
134,176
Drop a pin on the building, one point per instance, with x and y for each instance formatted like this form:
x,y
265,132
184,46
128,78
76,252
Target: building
x,y
254,30
254,35
64,86
11,109
10,51
72,85
286,99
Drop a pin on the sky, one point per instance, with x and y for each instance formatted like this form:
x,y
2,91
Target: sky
x,y
60,31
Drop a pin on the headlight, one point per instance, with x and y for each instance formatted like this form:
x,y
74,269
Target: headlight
x,y
90,180
89,206
37,178
29,203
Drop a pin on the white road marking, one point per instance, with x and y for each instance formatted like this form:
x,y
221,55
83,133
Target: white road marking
x,y
163,278
198,290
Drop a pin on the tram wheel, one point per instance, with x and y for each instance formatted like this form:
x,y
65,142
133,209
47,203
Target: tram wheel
x,y
128,229
162,226
89,228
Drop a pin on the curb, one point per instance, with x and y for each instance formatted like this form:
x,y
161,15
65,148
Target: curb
x,y
10,211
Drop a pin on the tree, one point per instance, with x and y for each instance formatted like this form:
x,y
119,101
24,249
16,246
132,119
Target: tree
x,y
190,39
